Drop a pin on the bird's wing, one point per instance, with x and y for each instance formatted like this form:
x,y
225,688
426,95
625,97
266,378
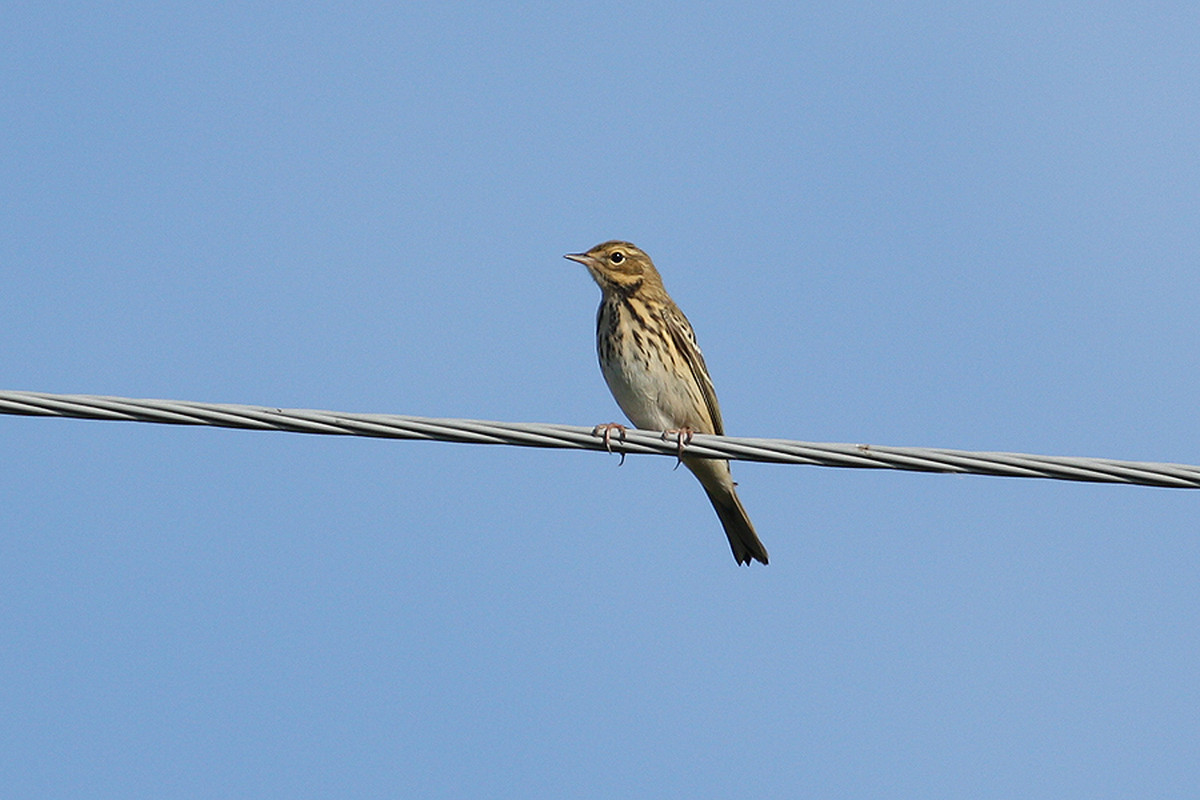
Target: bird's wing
x,y
684,338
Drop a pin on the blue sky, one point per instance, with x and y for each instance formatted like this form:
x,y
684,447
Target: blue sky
x,y
953,225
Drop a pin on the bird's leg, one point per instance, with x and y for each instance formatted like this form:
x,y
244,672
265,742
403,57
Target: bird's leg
x,y
683,437
608,428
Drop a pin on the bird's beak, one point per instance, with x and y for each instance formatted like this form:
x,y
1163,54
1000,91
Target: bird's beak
x,y
582,258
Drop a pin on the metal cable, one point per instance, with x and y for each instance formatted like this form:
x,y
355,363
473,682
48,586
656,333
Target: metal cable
x,y
531,434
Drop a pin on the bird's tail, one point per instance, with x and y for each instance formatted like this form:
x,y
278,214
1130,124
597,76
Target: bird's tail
x,y
742,539
718,485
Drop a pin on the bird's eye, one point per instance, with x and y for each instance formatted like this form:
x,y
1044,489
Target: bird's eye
x,y
617,257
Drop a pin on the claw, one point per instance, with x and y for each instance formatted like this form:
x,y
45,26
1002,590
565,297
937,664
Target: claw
x,y
683,437
608,428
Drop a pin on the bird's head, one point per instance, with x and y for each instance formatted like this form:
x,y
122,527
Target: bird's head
x,y
619,266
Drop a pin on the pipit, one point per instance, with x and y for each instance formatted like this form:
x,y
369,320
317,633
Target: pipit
x,y
655,371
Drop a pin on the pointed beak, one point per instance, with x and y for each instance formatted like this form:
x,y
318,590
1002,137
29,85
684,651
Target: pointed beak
x,y
582,258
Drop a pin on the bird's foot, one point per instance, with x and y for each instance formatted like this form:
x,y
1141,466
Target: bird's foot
x,y
683,437
607,429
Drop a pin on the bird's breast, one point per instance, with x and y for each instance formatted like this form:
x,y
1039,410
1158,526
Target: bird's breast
x,y
647,376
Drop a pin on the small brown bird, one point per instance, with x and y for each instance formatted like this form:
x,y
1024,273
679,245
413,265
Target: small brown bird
x,y
655,371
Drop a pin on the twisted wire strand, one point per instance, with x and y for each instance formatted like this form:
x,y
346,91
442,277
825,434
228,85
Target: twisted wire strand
x,y
531,434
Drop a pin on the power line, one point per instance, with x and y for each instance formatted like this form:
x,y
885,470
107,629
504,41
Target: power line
x,y
534,434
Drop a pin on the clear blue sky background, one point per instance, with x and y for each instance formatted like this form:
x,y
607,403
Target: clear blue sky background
x,y
944,224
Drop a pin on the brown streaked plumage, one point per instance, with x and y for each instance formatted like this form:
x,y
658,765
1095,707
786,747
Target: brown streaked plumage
x,y
656,373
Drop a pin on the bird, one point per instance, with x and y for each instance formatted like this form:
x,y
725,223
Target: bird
x,y
656,373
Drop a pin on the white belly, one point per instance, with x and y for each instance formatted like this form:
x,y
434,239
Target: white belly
x,y
654,395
